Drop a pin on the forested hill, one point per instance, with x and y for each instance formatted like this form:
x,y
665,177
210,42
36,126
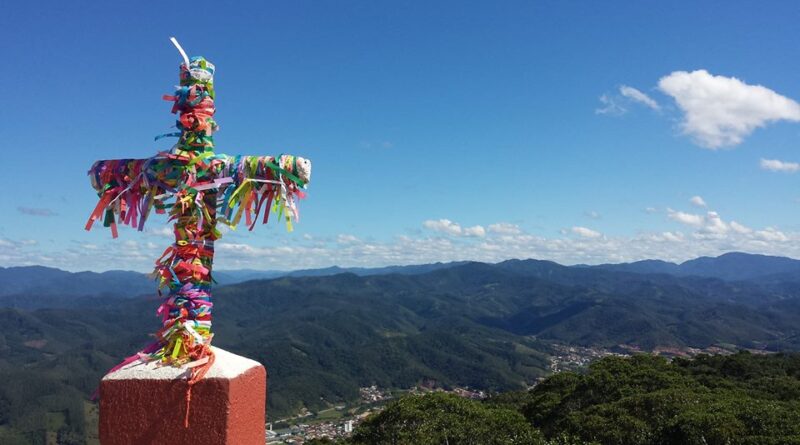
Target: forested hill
x,y
741,399
581,306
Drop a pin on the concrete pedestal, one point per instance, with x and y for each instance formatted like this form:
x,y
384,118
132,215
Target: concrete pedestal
x,y
145,404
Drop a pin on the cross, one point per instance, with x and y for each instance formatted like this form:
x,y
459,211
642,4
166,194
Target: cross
x,y
197,188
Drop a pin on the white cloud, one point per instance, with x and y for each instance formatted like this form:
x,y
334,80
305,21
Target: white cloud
x,y
771,234
670,237
610,106
505,229
698,201
637,96
710,225
616,104
713,224
738,228
779,166
592,214
706,234
240,248
721,111
477,231
710,238
586,232
452,228
443,225
650,210
690,219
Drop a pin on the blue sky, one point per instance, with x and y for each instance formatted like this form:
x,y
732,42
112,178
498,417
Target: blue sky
x,y
573,131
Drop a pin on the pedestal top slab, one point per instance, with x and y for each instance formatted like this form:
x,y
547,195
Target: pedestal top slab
x,y
226,366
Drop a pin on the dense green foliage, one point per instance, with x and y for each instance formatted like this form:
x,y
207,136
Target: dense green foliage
x,y
738,399
444,418
50,362
642,400
326,337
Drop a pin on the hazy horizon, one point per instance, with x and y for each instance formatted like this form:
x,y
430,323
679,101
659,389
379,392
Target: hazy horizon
x,y
245,269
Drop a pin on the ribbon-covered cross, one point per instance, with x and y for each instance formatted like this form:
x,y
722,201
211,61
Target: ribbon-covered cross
x,y
197,188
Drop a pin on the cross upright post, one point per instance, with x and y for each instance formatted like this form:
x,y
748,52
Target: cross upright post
x,y
197,188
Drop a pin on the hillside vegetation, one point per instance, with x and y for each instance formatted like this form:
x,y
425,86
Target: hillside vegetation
x,y
643,400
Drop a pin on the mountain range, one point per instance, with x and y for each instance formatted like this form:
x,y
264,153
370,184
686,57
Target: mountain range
x,y
324,333
39,286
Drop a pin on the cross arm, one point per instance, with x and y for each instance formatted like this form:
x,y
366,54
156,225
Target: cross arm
x,y
130,188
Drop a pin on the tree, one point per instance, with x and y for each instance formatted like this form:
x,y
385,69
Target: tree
x,y
441,418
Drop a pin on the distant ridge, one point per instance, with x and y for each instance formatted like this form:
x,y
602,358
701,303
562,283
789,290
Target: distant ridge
x,y
369,271
40,280
39,286
733,266
644,266
238,276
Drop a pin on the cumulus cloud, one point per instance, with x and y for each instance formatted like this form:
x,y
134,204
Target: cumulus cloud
x,y
592,214
637,96
451,228
685,218
698,201
714,225
779,166
477,231
443,225
710,225
702,234
713,237
678,245
721,111
586,232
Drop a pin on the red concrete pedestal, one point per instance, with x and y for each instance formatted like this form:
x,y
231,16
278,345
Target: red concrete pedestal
x,y
145,404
